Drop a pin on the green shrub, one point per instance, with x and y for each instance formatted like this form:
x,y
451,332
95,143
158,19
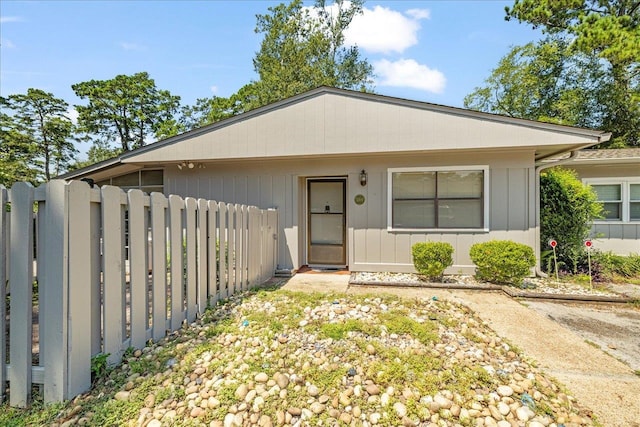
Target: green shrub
x,y
617,265
567,210
431,258
502,261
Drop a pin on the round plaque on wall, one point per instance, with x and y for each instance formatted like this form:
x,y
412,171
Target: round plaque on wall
x,y
359,199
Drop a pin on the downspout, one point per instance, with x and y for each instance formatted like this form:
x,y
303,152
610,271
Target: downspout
x,y
540,168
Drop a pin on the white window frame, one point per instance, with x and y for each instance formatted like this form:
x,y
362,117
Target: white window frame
x,y
485,201
625,194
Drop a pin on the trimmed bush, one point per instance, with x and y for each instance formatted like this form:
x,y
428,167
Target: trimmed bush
x,y
567,210
431,258
502,261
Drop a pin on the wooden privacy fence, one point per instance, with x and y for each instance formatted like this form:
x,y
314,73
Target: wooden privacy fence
x,y
113,270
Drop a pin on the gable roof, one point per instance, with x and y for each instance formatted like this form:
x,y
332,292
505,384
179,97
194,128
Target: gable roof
x,y
331,122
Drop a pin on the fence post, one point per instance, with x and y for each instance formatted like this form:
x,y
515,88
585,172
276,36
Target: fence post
x,y
21,288
79,314
3,281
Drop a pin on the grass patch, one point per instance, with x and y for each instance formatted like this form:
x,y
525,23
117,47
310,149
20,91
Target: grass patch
x,y
397,322
338,331
38,414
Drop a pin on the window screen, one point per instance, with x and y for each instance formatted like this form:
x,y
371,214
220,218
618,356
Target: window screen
x,y
438,199
611,197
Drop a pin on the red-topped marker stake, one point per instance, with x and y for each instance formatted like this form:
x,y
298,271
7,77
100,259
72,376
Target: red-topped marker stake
x,y
588,244
553,245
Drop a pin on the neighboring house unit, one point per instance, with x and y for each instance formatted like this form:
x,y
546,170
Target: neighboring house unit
x,y
615,176
358,178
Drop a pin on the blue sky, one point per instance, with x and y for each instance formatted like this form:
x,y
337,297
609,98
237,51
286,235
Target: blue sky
x,y
435,51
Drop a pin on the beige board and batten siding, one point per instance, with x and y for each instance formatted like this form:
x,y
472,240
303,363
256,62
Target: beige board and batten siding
x,y
336,124
619,237
370,245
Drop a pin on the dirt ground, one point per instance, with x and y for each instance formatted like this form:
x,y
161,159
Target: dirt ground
x,y
613,328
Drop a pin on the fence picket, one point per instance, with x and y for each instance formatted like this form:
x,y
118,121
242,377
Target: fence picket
x,y
213,293
159,204
223,252
52,280
177,262
3,280
202,258
254,245
138,265
242,247
231,249
191,247
21,287
113,273
79,311
96,270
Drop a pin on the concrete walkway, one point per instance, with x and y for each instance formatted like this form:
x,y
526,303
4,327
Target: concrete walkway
x,y
595,379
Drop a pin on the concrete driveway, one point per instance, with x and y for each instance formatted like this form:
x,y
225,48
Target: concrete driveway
x,y
597,380
615,328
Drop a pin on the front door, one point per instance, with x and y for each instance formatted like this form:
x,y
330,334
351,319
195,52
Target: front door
x,y
326,222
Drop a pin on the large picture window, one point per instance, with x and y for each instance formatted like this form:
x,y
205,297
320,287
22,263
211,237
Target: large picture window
x,y
443,198
620,198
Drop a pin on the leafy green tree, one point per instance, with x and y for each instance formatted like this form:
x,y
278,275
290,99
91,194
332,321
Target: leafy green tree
x,y
567,210
302,48
98,152
16,153
540,81
209,110
130,109
39,122
608,30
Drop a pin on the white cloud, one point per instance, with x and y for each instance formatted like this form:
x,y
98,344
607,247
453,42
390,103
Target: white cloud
x,y
214,89
132,46
72,113
7,44
409,73
5,19
385,30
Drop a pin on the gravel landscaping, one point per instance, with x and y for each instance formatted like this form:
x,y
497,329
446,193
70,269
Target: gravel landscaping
x,y
530,285
285,358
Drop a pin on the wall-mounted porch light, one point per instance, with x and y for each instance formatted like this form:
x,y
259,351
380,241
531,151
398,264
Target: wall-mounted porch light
x,y
363,178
